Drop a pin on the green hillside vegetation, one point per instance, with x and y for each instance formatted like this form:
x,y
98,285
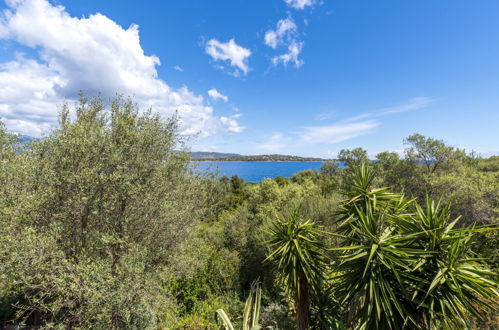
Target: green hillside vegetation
x,y
103,225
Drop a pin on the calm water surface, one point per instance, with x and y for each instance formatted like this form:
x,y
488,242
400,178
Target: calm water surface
x,y
257,171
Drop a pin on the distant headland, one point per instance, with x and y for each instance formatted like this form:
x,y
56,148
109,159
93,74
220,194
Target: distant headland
x,y
228,157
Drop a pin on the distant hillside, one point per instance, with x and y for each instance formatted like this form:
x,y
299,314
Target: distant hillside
x,y
208,155
266,158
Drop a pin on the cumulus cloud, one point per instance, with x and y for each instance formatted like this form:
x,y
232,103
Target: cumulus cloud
x,y
285,34
215,95
93,54
28,95
286,28
236,55
231,125
294,50
336,133
299,4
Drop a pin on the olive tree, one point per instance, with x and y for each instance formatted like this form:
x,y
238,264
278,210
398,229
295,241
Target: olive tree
x,y
113,202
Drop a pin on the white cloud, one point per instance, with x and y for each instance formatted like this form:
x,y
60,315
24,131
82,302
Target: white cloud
x,y
231,125
357,125
349,128
229,51
285,34
93,54
299,4
294,50
275,143
335,133
415,103
323,116
215,95
285,30
178,68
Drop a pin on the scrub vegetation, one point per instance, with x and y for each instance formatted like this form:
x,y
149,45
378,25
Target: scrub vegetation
x,y
105,225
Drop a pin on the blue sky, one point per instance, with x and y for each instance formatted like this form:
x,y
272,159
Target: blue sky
x,y
304,77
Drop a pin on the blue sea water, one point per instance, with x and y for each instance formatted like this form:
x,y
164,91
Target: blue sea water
x,y
256,171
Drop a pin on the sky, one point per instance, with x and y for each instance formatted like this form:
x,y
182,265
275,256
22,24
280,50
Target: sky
x,y
300,77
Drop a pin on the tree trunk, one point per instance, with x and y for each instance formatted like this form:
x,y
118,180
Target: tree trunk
x,y
302,305
421,318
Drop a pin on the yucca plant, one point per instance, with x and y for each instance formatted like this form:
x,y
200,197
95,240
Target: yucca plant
x,y
405,267
251,312
326,310
457,284
373,268
371,259
299,252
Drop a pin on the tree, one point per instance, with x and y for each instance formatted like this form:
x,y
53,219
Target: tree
x,y
386,159
114,204
329,168
300,254
429,152
353,157
327,177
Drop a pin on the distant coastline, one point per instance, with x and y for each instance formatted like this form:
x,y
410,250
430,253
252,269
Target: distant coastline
x,y
218,157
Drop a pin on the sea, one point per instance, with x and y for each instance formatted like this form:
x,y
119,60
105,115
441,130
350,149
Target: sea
x,y
255,171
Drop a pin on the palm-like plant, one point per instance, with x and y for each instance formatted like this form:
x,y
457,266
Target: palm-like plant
x,y
403,266
457,284
300,255
251,312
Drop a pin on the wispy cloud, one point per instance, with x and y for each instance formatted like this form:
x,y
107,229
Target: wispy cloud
x,y
236,55
415,103
216,95
275,143
178,68
356,125
323,116
335,133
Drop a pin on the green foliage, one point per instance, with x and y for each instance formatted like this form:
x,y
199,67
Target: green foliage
x,y
103,225
455,282
300,255
298,251
92,216
385,160
405,266
328,177
489,164
352,157
440,171
251,312
428,152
